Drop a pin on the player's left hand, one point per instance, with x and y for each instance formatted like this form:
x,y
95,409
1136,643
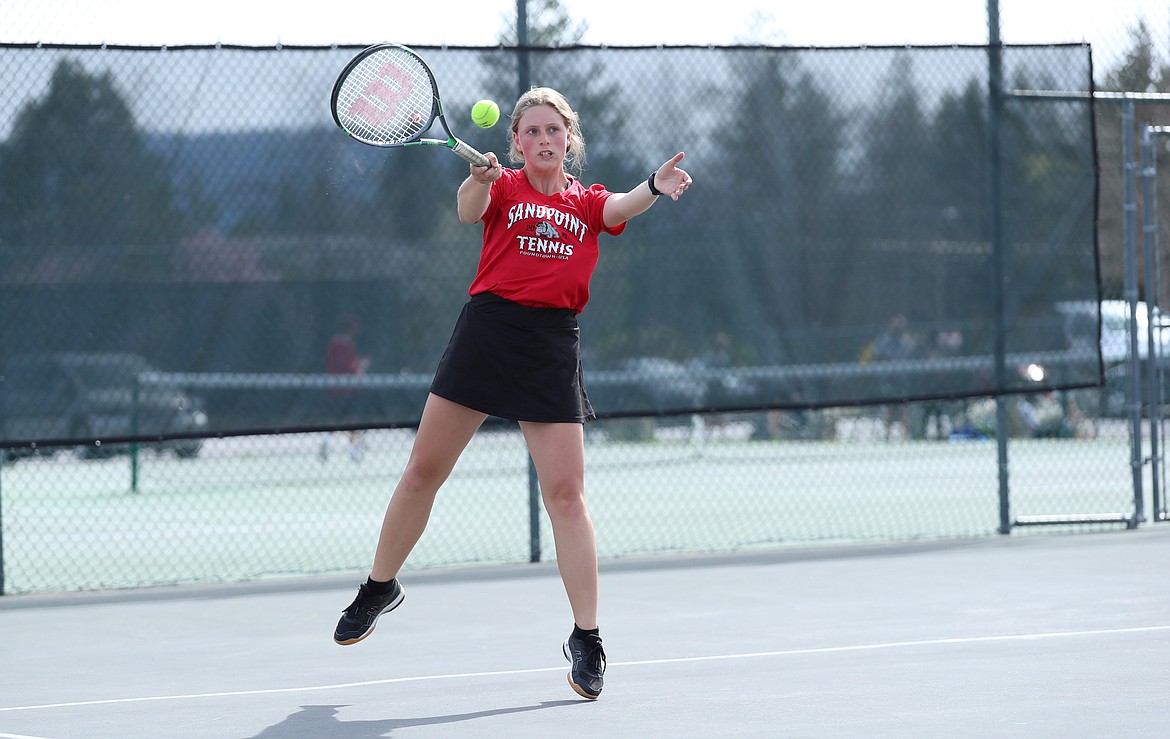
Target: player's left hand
x,y
670,179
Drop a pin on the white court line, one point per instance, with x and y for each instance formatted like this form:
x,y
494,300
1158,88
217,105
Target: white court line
x,y
20,736
633,663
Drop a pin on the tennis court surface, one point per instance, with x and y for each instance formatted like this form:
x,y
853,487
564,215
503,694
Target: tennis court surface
x,y
1028,636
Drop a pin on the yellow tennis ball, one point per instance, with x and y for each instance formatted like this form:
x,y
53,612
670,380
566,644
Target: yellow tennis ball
x,y
485,113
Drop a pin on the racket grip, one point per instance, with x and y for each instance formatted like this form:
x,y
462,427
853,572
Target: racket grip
x,y
469,154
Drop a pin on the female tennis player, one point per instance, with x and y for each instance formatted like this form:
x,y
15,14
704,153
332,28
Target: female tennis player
x,y
514,353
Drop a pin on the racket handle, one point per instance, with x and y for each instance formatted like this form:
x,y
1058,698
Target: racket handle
x,y
469,154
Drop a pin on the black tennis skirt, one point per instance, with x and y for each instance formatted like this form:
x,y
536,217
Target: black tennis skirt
x,y
516,362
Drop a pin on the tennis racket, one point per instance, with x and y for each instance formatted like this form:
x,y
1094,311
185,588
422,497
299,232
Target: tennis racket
x,y
386,96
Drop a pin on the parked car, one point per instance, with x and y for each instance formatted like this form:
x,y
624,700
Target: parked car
x,y
86,397
1080,329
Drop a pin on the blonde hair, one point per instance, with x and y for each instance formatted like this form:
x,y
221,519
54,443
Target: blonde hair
x,y
575,156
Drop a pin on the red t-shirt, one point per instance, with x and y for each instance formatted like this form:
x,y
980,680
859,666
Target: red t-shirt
x,y
541,250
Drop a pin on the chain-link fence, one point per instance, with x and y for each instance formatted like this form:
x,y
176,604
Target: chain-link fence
x,y
799,352
259,506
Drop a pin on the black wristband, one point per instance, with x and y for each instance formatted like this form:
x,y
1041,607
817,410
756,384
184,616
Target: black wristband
x,y
650,181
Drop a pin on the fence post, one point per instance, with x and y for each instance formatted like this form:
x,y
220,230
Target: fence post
x,y
1133,363
995,109
135,397
533,512
1153,310
3,453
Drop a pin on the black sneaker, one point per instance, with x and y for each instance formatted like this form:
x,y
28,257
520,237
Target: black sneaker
x,y
588,660
357,621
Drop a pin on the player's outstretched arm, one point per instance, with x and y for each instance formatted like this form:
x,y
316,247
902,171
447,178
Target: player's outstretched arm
x,y
668,179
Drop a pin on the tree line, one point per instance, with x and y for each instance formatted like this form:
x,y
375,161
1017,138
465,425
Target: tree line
x,y
819,217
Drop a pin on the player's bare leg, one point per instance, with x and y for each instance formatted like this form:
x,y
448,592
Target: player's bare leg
x,y
558,452
443,433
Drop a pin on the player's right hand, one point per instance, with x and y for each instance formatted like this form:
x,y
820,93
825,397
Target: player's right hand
x,y
487,175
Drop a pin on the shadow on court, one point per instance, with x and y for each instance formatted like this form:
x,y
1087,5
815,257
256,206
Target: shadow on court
x,y
323,721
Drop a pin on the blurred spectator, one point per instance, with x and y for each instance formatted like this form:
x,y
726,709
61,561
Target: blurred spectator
x,y
717,357
895,343
1040,416
941,412
342,358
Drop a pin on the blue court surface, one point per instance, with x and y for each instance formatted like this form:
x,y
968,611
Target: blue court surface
x,y
1041,635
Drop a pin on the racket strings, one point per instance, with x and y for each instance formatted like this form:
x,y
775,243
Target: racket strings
x,y
388,97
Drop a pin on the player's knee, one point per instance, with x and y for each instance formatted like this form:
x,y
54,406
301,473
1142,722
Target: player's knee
x,y
566,499
424,476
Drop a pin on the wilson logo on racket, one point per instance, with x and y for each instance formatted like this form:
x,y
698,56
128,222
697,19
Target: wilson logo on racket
x,y
378,89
